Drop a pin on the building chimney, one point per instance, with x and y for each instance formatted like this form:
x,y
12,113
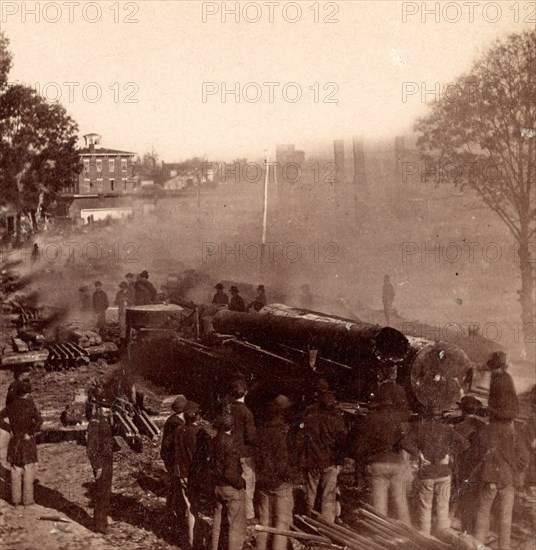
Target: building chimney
x,y
91,140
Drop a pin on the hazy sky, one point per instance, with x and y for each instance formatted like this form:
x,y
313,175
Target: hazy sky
x,y
163,59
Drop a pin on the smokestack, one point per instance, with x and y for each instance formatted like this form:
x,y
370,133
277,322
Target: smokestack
x,y
338,147
400,148
360,175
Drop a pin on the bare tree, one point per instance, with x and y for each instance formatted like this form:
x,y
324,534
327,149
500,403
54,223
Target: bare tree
x,y
483,133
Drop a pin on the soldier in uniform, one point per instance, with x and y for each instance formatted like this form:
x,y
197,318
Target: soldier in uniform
x,y
220,298
100,305
100,444
260,299
24,423
236,303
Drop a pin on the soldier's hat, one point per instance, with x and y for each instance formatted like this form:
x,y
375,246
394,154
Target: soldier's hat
x,y
497,360
128,275
470,404
122,284
234,289
219,286
144,274
191,408
260,287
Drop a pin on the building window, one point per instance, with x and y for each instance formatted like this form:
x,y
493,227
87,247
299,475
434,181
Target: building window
x,y
124,184
99,165
112,184
99,184
111,165
87,184
86,166
123,165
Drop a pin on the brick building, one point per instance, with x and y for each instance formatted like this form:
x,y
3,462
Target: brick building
x,y
103,170
107,186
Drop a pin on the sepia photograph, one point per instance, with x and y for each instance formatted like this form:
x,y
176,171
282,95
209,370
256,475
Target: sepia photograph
x,y
267,275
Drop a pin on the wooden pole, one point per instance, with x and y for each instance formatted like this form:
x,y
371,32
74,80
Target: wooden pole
x,y
292,534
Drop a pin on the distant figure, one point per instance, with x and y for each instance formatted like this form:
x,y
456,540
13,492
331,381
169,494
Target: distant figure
x,y
220,298
388,297
144,277
121,301
100,446
131,289
35,253
24,423
502,402
260,299
85,298
100,305
143,294
306,298
236,303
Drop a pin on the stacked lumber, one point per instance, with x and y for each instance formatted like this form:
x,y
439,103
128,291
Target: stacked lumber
x,y
375,531
84,338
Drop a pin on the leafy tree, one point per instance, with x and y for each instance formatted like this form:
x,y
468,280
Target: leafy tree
x,y
482,132
38,155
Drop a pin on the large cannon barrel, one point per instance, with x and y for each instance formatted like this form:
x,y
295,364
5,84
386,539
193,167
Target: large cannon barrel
x,y
340,341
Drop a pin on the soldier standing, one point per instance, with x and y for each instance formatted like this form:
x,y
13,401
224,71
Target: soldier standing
x,y
121,301
229,489
100,444
244,434
100,305
323,442
24,423
220,298
260,299
167,450
236,303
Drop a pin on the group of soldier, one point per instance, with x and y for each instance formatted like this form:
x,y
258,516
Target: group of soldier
x,y
247,472
252,466
138,290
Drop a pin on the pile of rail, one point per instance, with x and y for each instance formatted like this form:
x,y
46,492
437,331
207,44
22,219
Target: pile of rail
x,y
373,531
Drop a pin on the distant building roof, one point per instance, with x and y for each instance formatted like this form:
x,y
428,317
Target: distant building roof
x,y
102,151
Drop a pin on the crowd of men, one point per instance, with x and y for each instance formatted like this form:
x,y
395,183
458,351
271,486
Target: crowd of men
x,y
253,465
249,470
137,290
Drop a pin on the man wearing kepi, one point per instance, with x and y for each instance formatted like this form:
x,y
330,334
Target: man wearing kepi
x,y
274,475
229,489
100,445
500,454
24,423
